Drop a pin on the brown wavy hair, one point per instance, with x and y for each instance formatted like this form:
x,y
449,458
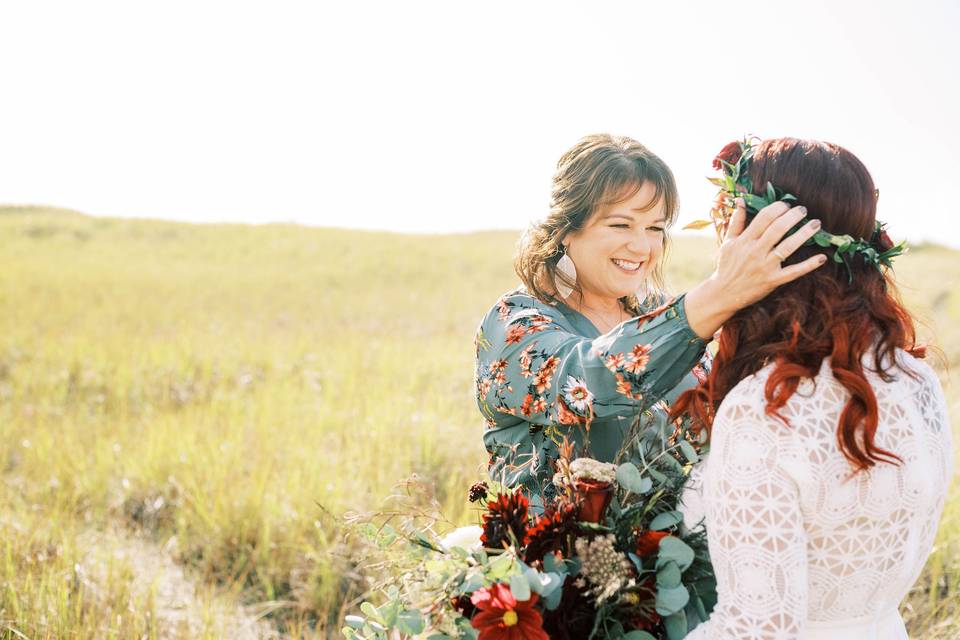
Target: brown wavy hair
x,y
823,314
599,170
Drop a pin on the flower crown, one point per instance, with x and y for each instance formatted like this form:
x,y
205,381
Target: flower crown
x,y
734,161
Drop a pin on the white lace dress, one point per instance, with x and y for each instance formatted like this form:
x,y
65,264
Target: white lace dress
x,y
803,550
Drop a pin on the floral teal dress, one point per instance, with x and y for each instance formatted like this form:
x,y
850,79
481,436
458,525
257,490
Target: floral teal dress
x,y
544,372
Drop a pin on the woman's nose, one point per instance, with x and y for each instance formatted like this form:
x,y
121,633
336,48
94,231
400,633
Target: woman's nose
x,y
639,244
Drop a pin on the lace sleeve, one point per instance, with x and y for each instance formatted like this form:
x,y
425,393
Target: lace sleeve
x,y
754,524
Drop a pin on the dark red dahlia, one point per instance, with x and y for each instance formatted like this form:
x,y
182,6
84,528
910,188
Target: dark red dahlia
x,y
550,531
508,515
730,153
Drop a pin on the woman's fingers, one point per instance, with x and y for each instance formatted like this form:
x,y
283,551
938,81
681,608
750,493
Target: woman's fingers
x,y
793,242
738,220
779,227
764,219
794,271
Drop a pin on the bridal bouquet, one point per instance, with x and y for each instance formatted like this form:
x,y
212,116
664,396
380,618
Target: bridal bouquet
x,y
609,557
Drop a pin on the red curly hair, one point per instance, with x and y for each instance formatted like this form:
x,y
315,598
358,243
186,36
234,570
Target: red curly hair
x,y
823,314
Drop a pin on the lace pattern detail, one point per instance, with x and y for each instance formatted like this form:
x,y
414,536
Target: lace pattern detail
x,y
796,539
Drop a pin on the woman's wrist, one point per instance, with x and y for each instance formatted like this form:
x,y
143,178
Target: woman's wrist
x,y
707,306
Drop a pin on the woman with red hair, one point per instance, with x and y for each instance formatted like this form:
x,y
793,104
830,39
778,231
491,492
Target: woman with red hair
x,y
830,450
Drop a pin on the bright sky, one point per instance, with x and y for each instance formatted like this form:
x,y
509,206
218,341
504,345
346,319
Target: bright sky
x,y
450,116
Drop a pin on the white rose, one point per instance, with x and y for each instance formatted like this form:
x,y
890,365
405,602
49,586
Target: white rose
x,y
467,538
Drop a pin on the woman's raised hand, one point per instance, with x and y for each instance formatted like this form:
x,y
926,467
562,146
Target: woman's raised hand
x,y
749,264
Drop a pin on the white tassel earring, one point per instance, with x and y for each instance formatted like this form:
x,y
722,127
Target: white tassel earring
x,y
567,272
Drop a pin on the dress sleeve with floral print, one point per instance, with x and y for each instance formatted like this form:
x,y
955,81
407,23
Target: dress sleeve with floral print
x,y
539,376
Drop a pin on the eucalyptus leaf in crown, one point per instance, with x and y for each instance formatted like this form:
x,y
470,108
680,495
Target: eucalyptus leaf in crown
x,y
735,181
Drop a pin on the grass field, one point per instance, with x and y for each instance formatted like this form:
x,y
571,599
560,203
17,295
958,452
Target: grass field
x,y
184,411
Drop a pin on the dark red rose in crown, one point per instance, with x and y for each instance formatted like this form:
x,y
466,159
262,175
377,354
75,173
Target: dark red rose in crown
x,y
730,153
596,497
884,243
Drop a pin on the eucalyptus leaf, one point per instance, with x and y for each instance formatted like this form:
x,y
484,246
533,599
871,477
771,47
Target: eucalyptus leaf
x,y
389,612
410,622
674,549
520,588
370,611
355,621
666,520
628,477
701,609
551,600
500,567
771,192
536,580
668,576
657,475
637,634
550,563
472,583
554,584
672,600
688,451
676,626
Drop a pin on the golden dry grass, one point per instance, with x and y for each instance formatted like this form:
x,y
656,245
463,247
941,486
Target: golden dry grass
x,y
207,388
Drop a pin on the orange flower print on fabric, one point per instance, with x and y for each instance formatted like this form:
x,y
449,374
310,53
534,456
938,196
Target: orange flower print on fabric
x,y
525,408
626,389
615,361
637,359
526,359
628,369
503,310
515,334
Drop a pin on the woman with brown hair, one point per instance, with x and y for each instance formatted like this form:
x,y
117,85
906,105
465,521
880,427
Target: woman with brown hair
x,y
590,341
830,450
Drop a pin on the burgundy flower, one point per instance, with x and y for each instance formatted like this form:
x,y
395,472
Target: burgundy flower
x,y
596,497
648,542
550,531
730,153
884,243
508,514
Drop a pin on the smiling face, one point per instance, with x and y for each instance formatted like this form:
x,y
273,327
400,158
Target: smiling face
x,y
619,247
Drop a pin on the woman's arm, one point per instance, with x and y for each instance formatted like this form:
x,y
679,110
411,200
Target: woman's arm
x,y
755,529
530,366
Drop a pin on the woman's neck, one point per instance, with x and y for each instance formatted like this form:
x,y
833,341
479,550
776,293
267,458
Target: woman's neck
x,y
596,304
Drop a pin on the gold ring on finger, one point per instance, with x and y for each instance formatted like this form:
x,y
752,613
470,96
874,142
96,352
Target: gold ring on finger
x,y
780,256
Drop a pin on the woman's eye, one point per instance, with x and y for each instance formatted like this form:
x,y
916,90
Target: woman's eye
x,y
620,226
656,229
